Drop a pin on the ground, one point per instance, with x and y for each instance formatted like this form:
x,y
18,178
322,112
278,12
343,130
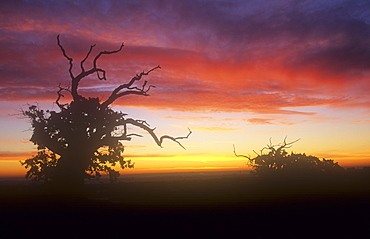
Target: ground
x,y
219,207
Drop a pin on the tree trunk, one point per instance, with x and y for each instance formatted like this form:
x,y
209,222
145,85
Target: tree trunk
x,y
69,176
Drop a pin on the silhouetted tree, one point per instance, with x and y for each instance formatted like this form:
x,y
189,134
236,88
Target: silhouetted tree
x,y
84,137
277,161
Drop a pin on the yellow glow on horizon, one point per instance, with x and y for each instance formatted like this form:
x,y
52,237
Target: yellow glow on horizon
x,y
11,168
146,163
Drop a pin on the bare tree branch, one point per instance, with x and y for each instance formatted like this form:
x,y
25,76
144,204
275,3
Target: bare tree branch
x,y
101,74
61,106
240,155
285,144
132,90
257,153
87,56
270,147
158,141
133,134
106,53
66,56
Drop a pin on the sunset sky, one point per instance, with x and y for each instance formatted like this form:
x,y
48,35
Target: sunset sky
x,y
234,72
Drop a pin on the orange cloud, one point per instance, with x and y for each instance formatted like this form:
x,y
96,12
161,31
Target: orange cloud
x,y
365,121
215,129
259,121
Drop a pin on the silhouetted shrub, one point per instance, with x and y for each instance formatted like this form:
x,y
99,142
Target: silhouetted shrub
x,y
278,162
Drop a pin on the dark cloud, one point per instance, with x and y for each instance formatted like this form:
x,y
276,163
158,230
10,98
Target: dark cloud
x,y
343,62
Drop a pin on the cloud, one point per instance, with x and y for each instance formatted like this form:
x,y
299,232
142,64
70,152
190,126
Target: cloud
x,y
207,118
215,55
215,129
365,121
260,121
268,121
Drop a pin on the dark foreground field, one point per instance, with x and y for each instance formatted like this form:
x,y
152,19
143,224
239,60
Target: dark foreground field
x,y
224,207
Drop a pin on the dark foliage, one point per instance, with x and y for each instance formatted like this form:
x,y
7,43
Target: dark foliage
x,y
41,167
76,127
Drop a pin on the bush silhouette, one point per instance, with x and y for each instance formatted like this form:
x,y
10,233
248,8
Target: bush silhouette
x,y
278,162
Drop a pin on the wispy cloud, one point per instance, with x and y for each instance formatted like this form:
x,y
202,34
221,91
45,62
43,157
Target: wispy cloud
x,y
260,121
207,118
364,121
215,129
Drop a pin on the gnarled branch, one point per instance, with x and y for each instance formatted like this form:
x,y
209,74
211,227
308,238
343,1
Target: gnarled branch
x,y
270,147
131,90
240,155
61,106
106,53
66,56
87,56
158,141
101,74
281,146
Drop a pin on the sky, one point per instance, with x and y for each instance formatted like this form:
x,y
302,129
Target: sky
x,y
234,72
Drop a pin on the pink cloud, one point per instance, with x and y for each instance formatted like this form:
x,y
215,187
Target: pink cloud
x,y
260,121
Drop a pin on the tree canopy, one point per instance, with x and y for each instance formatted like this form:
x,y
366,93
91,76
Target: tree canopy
x,y
83,138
